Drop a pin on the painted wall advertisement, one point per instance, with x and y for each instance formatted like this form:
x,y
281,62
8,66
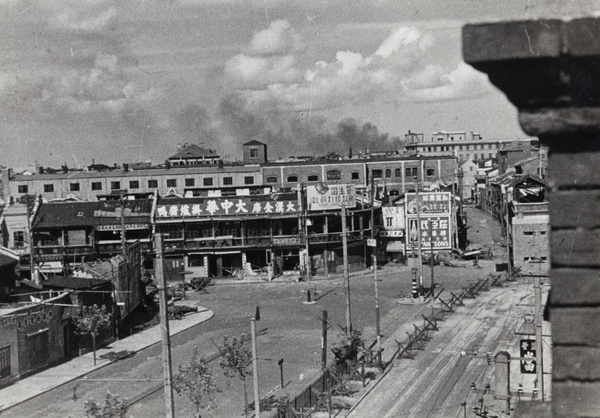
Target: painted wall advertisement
x,y
333,196
393,221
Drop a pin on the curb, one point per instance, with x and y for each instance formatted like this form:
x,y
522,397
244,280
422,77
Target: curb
x,y
97,367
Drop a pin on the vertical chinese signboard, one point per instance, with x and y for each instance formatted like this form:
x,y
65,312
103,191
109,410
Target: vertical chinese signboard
x,y
435,217
527,348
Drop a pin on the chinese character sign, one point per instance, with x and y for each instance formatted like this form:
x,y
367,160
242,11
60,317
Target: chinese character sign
x,y
429,202
527,348
435,230
331,197
224,207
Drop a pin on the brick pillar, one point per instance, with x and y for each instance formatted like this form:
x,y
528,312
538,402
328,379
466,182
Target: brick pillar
x,y
550,70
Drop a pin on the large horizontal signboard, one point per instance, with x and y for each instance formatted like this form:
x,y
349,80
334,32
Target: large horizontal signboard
x,y
429,202
224,207
325,197
434,229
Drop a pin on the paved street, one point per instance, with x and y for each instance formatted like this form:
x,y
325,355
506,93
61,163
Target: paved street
x,y
438,381
291,330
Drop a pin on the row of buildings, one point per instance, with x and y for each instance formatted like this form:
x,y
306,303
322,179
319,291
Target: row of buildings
x,y
63,232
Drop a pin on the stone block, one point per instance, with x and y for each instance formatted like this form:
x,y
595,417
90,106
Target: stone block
x,y
574,399
575,209
575,363
576,326
574,169
501,41
575,247
575,286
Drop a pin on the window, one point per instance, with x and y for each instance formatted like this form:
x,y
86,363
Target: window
x,y
528,233
397,173
22,188
389,221
227,181
19,239
248,180
542,232
153,184
388,173
253,153
272,179
74,187
292,179
490,155
5,361
134,184
207,181
96,185
48,188
171,182
334,175
115,185
355,175
460,147
190,182
430,172
313,177
377,174
411,172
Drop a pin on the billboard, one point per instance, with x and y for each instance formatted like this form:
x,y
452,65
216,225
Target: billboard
x,y
224,207
327,197
435,230
429,202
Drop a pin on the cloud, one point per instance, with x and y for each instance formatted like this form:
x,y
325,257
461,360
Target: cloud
x,y
402,68
81,15
435,85
278,38
248,72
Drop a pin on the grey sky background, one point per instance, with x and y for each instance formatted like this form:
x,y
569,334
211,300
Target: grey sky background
x,y
127,80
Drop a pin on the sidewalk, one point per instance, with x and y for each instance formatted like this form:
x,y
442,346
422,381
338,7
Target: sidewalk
x,y
46,380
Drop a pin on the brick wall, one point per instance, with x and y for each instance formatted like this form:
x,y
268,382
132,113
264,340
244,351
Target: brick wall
x,y
550,70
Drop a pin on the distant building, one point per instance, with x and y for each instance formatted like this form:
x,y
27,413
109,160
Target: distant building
x,y
255,152
192,154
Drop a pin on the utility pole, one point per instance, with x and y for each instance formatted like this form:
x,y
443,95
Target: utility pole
x,y
419,249
123,239
324,341
509,267
374,250
346,275
431,260
255,369
307,263
164,326
539,355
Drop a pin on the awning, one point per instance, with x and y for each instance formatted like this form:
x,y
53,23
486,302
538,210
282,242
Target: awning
x,y
394,247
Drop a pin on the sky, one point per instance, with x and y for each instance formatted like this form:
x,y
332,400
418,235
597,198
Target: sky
x,y
113,81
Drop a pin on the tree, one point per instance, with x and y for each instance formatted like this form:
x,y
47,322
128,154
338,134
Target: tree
x,y
113,407
196,379
92,320
236,362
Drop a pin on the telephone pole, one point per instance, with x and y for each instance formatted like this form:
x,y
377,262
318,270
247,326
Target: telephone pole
x,y
164,326
255,369
539,355
346,275
419,249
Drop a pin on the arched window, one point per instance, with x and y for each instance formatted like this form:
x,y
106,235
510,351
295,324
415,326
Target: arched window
x,y
292,178
313,177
